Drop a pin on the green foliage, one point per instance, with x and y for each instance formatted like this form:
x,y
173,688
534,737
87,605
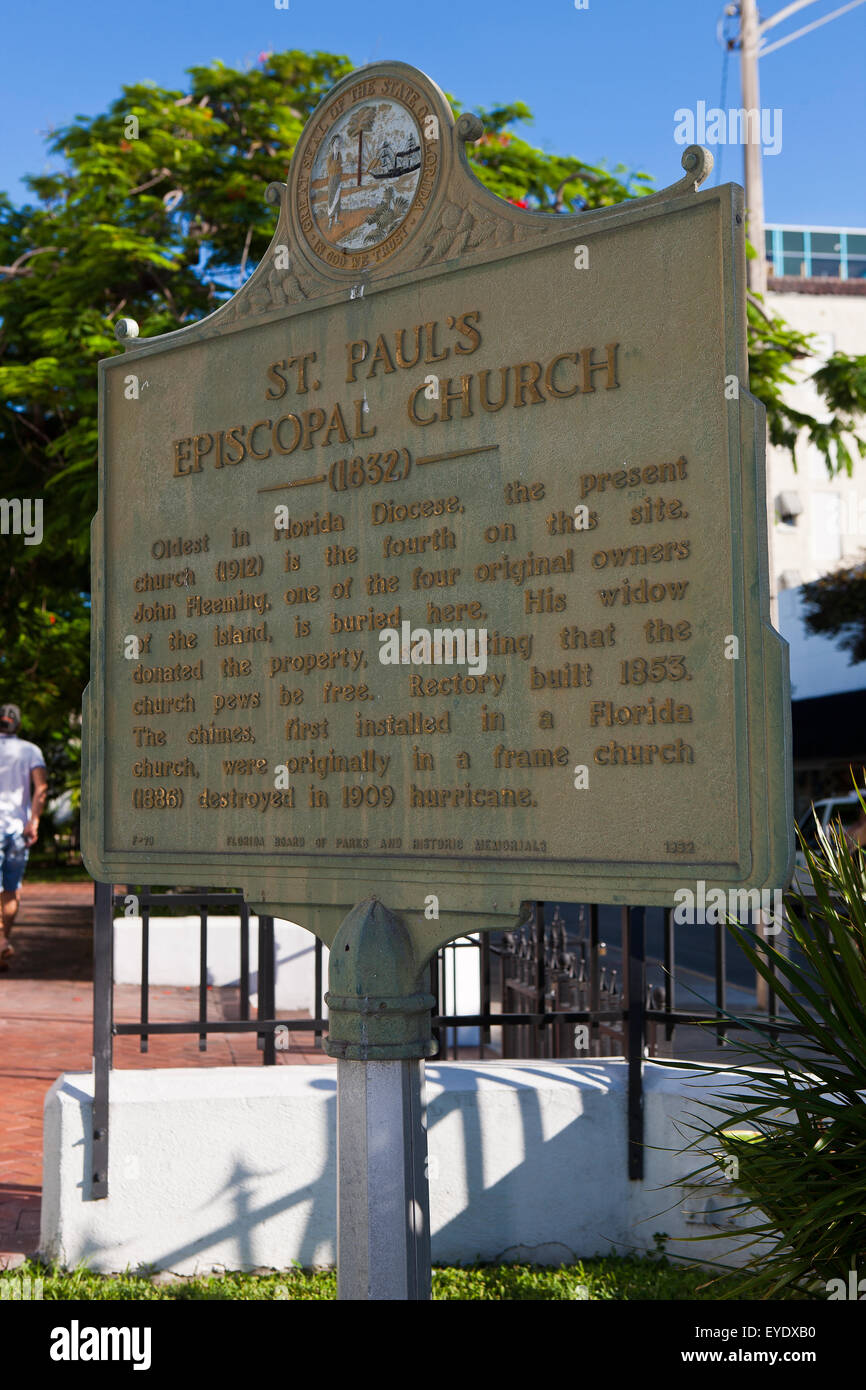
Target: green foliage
x,y
774,346
607,1278
41,670
835,604
801,1167
160,228
613,1278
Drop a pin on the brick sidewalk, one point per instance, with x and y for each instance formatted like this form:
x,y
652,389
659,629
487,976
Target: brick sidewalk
x,y
46,1022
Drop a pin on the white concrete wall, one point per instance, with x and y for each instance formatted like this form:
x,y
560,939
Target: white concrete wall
x,y
174,956
235,1167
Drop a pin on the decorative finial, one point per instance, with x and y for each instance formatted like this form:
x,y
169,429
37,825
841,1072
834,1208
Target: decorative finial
x,y
125,330
274,193
469,127
697,160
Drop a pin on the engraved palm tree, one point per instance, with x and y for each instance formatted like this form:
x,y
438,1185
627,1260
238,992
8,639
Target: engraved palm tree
x,y
386,216
361,122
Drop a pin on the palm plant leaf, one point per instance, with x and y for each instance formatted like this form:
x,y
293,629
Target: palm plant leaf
x,y
802,1170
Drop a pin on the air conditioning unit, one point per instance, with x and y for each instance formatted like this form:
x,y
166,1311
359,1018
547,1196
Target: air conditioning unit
x,y
790,579
790,506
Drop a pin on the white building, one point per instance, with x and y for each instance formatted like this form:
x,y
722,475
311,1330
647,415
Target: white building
x,y
818,284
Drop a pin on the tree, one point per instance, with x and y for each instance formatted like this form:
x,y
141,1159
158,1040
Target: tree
x,y
360,124
157,213
835,604
774,346
43,660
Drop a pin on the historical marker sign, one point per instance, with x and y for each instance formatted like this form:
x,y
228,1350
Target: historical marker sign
x,y
435,561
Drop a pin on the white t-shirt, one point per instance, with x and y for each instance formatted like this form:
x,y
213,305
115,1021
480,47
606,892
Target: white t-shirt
x,y
17,760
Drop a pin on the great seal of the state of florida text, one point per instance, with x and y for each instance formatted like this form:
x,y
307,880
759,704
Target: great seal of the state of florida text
x,y
367,169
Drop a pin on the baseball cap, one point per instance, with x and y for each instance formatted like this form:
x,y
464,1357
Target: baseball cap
x,y
10,718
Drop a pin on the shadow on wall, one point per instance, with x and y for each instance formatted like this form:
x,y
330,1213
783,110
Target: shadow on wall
x,y
526,1162
553,1191
244,1232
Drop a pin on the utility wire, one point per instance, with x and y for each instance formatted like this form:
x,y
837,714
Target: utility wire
x,y
807,29
722,97
727,44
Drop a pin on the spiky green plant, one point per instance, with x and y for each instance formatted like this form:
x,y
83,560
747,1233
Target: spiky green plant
x,y
795,1121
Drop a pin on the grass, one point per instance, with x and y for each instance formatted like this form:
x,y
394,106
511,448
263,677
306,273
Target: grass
x,y
611,1278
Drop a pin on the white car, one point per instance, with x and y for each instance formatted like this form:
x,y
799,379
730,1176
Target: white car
x,y
846,809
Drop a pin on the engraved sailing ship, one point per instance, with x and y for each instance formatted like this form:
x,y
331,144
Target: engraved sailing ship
x,y
391,164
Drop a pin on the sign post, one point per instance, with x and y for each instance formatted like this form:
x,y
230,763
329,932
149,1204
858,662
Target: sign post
x,y
431,571
379,1032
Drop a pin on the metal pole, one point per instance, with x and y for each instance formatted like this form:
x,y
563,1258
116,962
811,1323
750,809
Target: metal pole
x,y
267,988
143,1043
441,1034
721,988
379,1033
594,984
202,973
670,970
540,1036
103,1032
383,1214
756,269
317,989
635,964
485,989
762,996
244,1002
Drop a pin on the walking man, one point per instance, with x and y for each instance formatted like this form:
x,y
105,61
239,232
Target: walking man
x,y
23,789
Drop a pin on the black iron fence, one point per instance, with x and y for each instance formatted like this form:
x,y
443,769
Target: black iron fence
x,y
549,989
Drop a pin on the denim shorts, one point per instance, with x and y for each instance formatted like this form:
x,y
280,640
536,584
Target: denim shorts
x,y
14,853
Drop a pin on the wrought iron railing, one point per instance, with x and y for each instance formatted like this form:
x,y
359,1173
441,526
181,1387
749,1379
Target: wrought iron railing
x,y
544,990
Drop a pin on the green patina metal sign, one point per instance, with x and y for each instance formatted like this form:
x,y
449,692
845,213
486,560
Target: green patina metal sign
x,y
433,565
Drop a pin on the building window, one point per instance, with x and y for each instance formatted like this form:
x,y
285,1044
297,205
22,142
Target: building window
x,y
816,252
826,248
856,255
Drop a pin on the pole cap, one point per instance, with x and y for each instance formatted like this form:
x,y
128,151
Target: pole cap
x,y
378,1009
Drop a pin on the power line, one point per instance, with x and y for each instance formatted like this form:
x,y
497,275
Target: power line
x,y
752,31
727,43
807,28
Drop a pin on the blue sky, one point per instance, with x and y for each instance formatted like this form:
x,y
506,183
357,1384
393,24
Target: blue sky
x,y
604,83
